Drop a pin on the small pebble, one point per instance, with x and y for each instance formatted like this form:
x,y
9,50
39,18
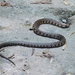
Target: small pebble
x,y
64,20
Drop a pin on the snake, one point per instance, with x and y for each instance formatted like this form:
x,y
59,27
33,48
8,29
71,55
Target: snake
x,y
61,39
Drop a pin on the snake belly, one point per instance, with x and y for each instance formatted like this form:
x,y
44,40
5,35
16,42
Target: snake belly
x,y
61,39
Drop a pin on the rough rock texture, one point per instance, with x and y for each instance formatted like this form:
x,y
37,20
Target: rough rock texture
x,y
15,23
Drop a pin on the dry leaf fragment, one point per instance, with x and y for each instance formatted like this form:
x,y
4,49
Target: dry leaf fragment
x,y
4,3
71,33
45,51
68,74
51,60
2,49
7,59
11,57
41,2
64,47
32,51
65,2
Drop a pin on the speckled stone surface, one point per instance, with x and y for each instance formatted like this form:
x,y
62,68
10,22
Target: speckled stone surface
x,y
15,23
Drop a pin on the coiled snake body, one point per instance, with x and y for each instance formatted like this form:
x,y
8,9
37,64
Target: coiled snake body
x,y
36,30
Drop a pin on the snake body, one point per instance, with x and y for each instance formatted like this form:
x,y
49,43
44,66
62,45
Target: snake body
x,y
37,31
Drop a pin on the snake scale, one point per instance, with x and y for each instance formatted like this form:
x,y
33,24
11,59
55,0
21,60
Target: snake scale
x,y
61,39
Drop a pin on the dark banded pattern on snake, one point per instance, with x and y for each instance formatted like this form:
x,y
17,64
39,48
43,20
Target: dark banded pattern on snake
x,y
36,30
